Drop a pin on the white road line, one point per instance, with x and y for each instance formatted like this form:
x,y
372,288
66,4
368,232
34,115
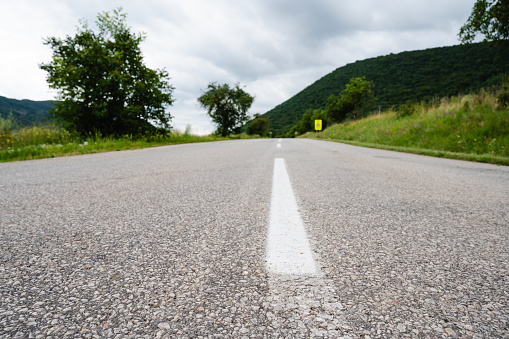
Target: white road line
x,y
288,248
297,286
278,146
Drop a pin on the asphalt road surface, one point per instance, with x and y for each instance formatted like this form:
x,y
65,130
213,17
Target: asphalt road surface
x,y
249,239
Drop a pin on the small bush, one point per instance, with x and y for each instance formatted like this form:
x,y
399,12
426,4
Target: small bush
x,y
6,140
503,100
405,110
8,125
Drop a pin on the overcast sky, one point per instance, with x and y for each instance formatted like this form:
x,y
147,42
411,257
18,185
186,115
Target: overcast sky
x,y
275,48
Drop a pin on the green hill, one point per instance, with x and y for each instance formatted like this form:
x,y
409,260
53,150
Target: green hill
x,y
26,112
416,76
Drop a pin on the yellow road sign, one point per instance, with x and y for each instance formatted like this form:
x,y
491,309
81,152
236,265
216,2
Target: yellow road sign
x,y
318,125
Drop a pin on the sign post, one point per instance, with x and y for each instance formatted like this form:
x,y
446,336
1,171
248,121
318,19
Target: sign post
x,y
318,125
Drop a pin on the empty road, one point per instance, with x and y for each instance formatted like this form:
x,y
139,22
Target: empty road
x,y
254,239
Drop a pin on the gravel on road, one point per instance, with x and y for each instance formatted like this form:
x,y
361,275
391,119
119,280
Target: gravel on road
x,y
171,242
162,242
416,246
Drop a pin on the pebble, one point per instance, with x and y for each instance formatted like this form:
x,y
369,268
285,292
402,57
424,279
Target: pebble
x,y
450,331
164,326
401,328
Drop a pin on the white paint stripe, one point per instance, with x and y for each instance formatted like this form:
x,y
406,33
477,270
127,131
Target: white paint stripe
x,y
288,249
278,146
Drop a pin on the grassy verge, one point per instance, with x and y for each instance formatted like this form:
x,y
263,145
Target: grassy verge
x,y
486,158
472,127
26,143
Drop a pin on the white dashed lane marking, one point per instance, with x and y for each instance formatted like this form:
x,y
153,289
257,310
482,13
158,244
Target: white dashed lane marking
x,y
298,289
288,248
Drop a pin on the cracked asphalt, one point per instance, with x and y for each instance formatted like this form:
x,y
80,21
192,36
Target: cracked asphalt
x,y
170,242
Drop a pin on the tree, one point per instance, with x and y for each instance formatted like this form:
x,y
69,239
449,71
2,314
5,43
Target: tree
x,y
353,97
258,126
103,85
338,108
490,18
226,106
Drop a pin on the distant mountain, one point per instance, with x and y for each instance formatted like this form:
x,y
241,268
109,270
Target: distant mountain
x,y
416,76
26,112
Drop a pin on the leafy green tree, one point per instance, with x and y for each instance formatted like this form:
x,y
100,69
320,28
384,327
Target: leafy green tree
x,y
353,97
490,18
103,85
292,132
226,106
337,108
303,126
258,125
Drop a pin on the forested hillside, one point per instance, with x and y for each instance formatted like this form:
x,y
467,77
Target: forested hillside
x,y
397,78
26,112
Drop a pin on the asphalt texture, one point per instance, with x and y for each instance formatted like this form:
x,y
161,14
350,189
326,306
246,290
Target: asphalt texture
x,y
171,242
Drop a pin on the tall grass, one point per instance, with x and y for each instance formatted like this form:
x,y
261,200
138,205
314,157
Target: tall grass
x,y
475,124
12,135
45,141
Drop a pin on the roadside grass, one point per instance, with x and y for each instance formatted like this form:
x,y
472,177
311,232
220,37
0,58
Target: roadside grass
x,y
47,141
473,127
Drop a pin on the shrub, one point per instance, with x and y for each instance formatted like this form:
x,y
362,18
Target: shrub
x,y
503,100
405,110
8,125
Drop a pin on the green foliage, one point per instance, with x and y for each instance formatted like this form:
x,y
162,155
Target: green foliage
x,y
490,18
319,114
8,124
303,126
13,135
451,125
226,106
307,123
338,108
104,87
503,100
416,76
259,126
354,96
46,141
405,110
6,128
